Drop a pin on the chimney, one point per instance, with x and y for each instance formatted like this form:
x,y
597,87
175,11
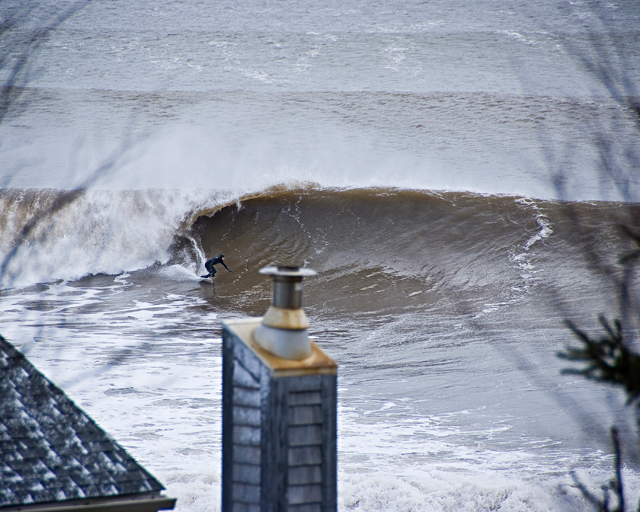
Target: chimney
x,y
279,450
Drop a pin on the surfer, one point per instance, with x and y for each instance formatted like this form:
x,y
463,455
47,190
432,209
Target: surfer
x,y
214,261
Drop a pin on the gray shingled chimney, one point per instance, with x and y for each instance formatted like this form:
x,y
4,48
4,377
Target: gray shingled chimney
x,y
279,409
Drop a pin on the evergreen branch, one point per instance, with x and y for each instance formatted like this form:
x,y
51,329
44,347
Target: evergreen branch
x,y
608,358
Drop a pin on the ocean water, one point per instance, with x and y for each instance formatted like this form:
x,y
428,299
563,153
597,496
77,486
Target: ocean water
x,y
455,171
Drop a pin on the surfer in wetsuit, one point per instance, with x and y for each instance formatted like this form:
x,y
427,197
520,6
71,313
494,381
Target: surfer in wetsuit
x,y
214,261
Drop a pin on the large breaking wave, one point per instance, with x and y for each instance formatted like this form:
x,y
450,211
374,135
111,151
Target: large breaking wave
x,y
438,247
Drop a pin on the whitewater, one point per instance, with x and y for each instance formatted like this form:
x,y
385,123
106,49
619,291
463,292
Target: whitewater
x,y
440,164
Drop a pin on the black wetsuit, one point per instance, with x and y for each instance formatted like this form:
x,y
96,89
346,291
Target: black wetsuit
x,y
214,261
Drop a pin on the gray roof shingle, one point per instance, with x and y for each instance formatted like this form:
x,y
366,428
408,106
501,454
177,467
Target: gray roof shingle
x,y
51,451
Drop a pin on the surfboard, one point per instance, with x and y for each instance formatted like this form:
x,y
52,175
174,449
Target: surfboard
x,y
206,280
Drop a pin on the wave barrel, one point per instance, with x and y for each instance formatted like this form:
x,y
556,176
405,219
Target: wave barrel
x,y
279,406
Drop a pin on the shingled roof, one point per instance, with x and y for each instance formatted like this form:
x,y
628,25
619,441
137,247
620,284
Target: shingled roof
x,y
52,453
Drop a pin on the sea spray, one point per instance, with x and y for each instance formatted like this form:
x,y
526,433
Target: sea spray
x,y
91,232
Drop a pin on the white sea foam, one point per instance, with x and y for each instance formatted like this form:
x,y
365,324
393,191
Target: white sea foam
x,y
100,232
164,407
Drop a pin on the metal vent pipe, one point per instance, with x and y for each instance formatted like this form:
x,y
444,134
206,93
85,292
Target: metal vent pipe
x,y
284,328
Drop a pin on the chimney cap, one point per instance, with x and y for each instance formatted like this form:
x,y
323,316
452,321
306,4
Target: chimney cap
x,y
287,271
